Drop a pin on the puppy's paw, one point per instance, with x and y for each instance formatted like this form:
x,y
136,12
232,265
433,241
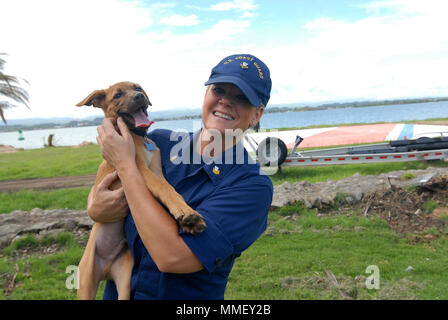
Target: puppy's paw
x,y
192,222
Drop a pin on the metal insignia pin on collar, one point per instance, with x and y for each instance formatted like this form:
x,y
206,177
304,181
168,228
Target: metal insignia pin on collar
x,y
216,170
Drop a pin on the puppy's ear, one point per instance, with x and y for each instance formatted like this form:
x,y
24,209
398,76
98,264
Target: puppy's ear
x,y
95,99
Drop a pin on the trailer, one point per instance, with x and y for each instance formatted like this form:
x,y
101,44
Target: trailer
x,y
272,152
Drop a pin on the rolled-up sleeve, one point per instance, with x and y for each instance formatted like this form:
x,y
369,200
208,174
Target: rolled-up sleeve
x,y
235,216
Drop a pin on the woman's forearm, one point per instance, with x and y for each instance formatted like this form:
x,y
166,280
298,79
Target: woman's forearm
x,y
157,229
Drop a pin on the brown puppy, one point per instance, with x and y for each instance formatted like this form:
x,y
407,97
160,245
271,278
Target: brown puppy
x,y
107,255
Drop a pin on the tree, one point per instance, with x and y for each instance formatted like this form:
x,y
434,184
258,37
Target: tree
x,y
9,88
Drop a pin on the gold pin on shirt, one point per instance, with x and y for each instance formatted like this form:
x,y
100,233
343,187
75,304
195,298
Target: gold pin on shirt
x,y
216,170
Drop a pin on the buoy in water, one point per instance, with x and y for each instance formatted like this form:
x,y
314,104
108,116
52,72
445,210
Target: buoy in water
x,y
20,136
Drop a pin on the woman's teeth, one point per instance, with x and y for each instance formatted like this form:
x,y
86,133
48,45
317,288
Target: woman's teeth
x,y
222,115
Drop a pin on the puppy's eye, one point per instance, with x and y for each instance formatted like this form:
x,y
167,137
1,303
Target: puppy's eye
x,y
138,89
118,95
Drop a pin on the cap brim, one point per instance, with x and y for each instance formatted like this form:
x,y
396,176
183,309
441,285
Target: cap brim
x,y
247,90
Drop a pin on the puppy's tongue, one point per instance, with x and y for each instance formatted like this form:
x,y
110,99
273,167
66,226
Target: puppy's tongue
x,y
140,119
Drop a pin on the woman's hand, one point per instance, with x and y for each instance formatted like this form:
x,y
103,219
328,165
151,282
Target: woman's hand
x,y
117,148
107,205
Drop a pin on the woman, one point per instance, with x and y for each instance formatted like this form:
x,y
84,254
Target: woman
x,y
220,182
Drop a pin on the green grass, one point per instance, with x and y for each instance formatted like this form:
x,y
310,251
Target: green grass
x,y
50,162
69,161
325,173
429,206
287,262
407,176
76,198
40,277
26,200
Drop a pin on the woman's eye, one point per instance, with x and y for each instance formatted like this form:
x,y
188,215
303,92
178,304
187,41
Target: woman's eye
x,y
242,98
118,95
219,91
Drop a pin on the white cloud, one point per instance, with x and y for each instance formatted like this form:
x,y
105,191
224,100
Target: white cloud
x,y
67,49
224,6
400,54
406,6
64,49
247,14
163,5
247,6
323,23
178,20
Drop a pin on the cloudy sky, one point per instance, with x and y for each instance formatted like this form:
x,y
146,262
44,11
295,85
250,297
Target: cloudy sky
x,y
317,50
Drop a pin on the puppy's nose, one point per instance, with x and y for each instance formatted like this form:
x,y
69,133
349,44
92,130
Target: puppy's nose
x,y
139,96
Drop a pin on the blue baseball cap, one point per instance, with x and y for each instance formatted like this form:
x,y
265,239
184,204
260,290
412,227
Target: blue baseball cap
x,y
248,73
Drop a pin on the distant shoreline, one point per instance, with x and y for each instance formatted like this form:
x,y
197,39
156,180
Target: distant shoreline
x,y
269,109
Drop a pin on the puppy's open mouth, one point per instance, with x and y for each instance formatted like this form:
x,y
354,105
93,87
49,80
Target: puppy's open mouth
x,y
138,119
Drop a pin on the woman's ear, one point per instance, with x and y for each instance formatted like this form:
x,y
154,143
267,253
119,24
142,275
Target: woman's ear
x,y
257,116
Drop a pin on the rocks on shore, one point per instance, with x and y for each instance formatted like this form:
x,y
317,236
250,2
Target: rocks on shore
x,y
323,195
41,223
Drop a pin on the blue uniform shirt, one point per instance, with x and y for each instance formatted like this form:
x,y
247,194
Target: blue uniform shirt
x,y
233,197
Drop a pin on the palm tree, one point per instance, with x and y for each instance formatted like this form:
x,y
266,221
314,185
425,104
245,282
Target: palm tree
x,y
9,89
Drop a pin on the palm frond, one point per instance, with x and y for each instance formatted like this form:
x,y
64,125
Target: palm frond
x,y
4,105
2,61
15,93
9,80
10,89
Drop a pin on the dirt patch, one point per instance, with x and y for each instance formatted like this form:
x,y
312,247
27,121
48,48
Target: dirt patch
x,y
83,144
8,149
406,210
440,213
48,183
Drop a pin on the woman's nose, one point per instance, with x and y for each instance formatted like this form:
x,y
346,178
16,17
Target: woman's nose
x,y
226,99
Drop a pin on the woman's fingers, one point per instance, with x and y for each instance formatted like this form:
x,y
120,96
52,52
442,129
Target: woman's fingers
x,y
108,180
123,127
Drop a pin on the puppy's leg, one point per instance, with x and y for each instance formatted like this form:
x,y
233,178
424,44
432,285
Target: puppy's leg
x,y
91,270
120,272
87,273
104,169
190,220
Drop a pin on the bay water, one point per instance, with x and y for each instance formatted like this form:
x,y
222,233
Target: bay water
x,y
387,113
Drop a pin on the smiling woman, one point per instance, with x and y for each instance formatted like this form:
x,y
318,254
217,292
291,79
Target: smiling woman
x,y
233,197
227,108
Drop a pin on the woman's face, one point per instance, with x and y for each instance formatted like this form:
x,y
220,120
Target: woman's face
x,y
226,107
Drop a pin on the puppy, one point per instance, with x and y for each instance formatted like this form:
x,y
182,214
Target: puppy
x,y
107,255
